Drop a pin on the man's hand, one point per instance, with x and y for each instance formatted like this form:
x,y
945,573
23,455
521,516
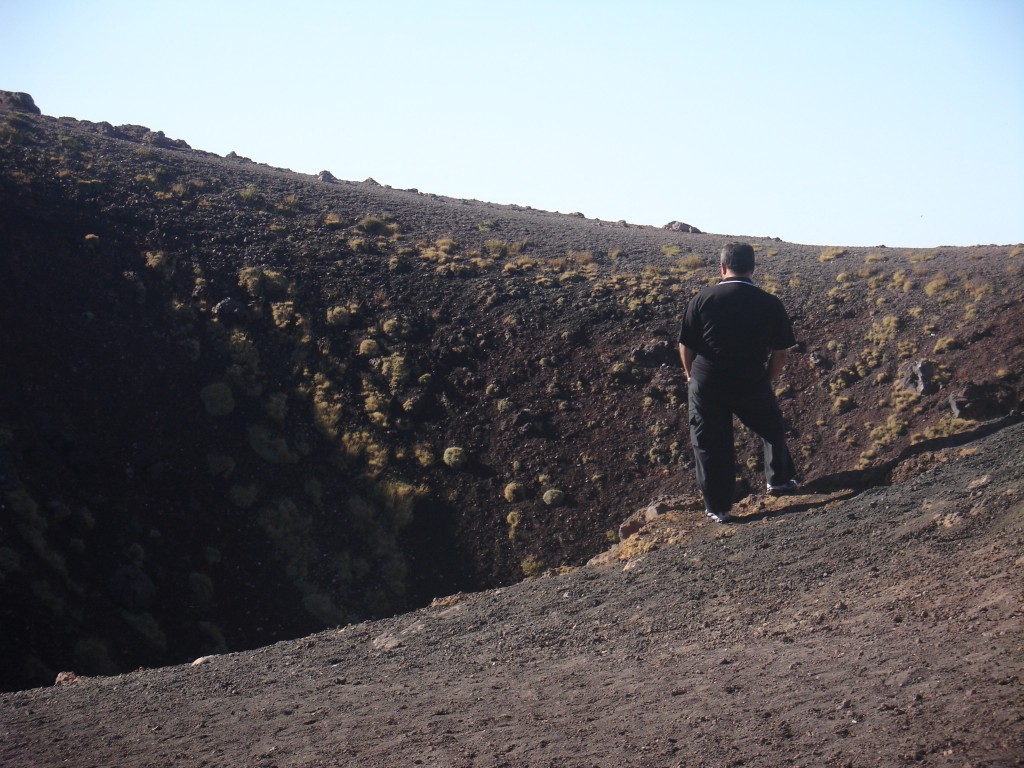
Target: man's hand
x,y
686,355
776,363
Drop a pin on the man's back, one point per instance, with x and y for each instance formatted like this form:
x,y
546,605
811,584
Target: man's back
x,y
732,327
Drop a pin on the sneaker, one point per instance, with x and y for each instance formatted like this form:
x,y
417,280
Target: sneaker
x,y
718,517
782,488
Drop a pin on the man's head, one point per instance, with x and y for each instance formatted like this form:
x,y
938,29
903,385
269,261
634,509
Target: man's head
x,y
738,259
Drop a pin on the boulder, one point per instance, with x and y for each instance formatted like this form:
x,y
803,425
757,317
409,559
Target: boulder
x,y
642,517
982,401
230,311
159,139
919,376
19,102
653,355
327,177
678,226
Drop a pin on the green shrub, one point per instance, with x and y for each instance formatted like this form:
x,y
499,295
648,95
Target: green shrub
x,y
369,348
219,464
842,405
217,399
884,330
830,254
271,448
377,226
514,492
690,263
243,496
936,284
554,497
532,565
250,195
454,457
514,520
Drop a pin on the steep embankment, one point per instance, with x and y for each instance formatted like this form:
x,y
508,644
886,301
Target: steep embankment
x,y
238,404
880,630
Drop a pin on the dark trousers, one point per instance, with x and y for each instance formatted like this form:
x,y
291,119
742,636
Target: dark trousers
x,y
712,406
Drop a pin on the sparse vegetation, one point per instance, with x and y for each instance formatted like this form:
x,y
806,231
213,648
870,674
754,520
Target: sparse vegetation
x,y
532,566
514,520
884,330
842,405
337,371
378,226
936,284
554,497
831,254
514,491
455,457
250,195
217,399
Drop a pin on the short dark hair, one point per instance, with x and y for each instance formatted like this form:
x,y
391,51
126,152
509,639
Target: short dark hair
x,y
738,258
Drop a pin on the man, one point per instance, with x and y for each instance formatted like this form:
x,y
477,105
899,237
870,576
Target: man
x,y
734,341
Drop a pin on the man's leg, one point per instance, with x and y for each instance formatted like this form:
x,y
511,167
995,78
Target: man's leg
x,y
759,411
713,452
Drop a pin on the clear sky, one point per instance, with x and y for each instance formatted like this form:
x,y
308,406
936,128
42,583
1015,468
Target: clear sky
x,y
866,122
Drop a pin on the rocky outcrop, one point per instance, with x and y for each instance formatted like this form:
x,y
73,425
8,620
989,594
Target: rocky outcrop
x,y
919,376
976,401
678,226
642,517
19,102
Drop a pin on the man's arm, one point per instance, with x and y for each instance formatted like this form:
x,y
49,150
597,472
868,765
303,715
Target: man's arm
x,y
686,355
776,363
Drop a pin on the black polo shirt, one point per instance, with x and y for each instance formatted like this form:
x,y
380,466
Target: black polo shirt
x,y
733,327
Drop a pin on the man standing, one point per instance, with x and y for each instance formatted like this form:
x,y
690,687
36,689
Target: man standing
x,y
734,341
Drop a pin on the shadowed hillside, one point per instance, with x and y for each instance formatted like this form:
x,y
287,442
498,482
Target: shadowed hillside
x,y
240,404
878,630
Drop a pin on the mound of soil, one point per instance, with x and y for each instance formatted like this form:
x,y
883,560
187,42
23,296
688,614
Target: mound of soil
x,y
240,404
878,630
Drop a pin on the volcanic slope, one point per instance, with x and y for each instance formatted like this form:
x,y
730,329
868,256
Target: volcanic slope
x,y
879,630
240,404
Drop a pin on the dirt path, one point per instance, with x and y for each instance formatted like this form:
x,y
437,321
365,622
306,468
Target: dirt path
x,y
876,631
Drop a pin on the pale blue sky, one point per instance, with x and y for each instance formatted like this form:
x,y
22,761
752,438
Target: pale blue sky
x,y
897,122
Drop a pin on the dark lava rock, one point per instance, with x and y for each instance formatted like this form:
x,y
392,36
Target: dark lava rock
x,y
678,226
20,102
919,376
659,353
231,311
982,401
